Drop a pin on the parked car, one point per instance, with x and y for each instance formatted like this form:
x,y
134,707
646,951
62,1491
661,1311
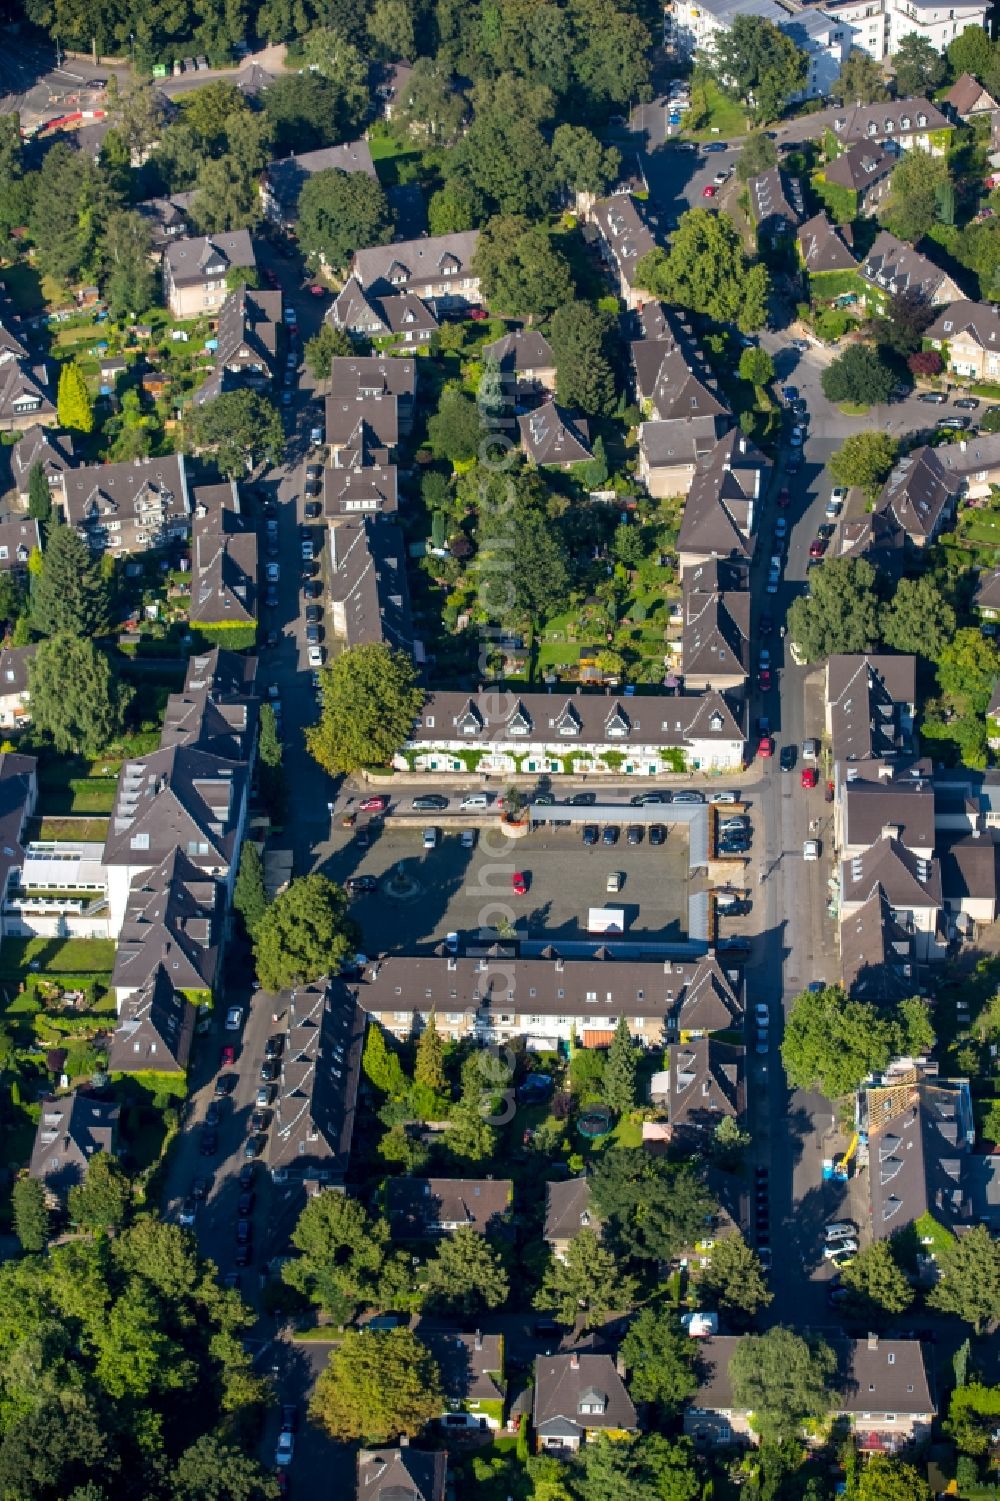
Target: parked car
x,y
810,776
711,147
838,1248
188,1211
252,1148
590,833
933,398
224,1085
811,849
286,1446
765,747
709,190
429,802
633,834
966,403
274,1046
657,834
209,1141
519,883
610,834
360,885
270,1070
430,839
787,758
227,1057
234,1018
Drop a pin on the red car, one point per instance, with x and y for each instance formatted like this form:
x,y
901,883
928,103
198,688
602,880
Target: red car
x,y
809,777
375,804
784,498
817,547
478,314
764,680
520,883
228,1056
317,290
709,191
765,747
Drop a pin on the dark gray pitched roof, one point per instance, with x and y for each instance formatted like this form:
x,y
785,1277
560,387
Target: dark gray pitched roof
x,y
865,1370
909,881
368,579
72,1128
822,248
775,199
904,803
469,1363
877,954
720,512
174,917
522,350
155,1029
624,231
568,1209
428,1206
579,1393
584,718
895,266
919,491
706,1084
415,263
191,262
967,94
43,445
317,1095
917,1159
551,435
716,631
860,166
404,1474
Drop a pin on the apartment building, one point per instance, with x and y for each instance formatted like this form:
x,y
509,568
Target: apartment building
x,y
692,26
195,271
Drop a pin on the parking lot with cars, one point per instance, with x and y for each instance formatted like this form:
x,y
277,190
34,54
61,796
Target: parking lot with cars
x,y
549,881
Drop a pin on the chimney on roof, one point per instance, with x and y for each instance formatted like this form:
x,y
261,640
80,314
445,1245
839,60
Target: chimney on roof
x,y
574,1361
620,1366
479,1339
404,1439
891,831
872,1341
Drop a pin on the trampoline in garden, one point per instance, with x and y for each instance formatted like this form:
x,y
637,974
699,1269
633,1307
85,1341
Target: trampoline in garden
x,y
594,1122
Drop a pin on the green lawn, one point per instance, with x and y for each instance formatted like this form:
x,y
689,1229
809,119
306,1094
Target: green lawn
x,y
725,117
982,526
73,785
91,830
56,956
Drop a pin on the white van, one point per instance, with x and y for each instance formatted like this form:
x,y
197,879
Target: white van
x,y
616,880
474,801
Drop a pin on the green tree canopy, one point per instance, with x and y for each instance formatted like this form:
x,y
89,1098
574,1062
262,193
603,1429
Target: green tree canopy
x,y
587,1284
756,366
370,700
432,104
755,61
968,668
918,66
650,1209
781,1379
428,1067
453,208
582,163
706,270
378,1385
659,1358
341,212
758,154
522,274
212,1470
39,494
31,1216
858,376
335,57
580,336
304,933
876,1282
507,160
127,279
969,1286
464,1275
347,1261
860,79
75,696
972,1416
918,619
618,1082
864,459
73,400
841,613
733,1278
303,111
885,1478
240,428
455,431
971,52
832,1043
324,347
103,1199
250,893
915,185
69,596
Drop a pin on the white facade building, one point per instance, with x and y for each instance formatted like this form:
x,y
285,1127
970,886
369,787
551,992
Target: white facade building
x,y
692,25
880,25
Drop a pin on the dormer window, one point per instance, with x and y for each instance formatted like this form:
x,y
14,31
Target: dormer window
x,y
592,1404
904,123
921,120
